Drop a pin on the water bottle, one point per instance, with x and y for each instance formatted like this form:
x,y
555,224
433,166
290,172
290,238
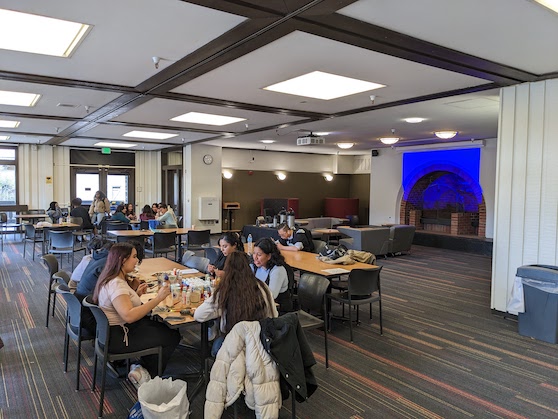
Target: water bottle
x,y
249,240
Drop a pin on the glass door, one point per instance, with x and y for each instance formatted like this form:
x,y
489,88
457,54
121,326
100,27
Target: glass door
x,y
117,184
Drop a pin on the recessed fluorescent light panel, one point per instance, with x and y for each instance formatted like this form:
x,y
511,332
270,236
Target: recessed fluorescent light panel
x,y
413,120
320,85
4,137
207,119
18,98
8,124
551,4
149,135
39,34
115,145
267,141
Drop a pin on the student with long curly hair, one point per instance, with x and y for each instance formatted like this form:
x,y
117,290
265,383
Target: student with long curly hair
x,y
130,328
239,296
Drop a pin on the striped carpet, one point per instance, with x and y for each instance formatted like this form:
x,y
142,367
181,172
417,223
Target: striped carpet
x,y
443,353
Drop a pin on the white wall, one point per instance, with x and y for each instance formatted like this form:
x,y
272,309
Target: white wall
x,y
148,178
35,164
201,180
526,195
386,191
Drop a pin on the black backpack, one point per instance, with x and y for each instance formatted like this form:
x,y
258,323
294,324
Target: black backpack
x,y
308,243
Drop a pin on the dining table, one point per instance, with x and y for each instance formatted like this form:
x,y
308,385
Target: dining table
x,y
180,231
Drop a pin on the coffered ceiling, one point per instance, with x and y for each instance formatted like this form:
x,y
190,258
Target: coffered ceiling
x,y
439,60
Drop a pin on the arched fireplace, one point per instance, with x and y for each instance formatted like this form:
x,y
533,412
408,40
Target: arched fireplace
x,y
443,198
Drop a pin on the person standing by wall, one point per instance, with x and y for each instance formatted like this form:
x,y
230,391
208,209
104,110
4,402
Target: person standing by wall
x,y
99,207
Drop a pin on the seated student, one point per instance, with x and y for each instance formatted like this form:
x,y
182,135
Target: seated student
x,y
130,212
292,240
155,208
269,267
166,216
147,213
54,212
130,327
239,296
94,245
79,211
228,243
119,215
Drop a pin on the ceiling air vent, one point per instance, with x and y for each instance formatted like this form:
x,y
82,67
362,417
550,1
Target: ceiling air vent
x,y
67,105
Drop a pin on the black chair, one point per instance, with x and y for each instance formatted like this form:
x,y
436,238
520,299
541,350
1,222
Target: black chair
x,y
363,287
73,326
102,343
63,243
52,265
311,294
33,236
212,253
124,239
197,262
163,243
6,226
319,245
85,234
198,240
144,225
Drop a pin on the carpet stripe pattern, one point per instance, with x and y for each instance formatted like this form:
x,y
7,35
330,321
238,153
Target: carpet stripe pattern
x,y
443,353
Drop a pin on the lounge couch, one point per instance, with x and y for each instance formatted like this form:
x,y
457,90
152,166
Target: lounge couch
x,y
401,238
370,239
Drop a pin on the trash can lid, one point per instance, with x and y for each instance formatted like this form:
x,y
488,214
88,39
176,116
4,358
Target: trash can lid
x,y
540,272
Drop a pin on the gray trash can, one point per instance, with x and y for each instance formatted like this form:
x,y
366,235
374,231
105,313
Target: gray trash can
x,y
540,289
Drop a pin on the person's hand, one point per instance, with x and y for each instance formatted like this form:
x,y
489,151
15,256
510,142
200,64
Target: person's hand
x,y
211,269
142,289
163,293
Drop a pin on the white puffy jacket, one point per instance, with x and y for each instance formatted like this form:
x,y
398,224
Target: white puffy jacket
x,y
243,365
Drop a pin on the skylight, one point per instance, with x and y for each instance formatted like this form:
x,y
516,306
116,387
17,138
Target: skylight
x,y
39,34
206,119
320,85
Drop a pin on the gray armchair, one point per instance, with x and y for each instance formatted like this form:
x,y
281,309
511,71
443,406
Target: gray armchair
x,y
370,239
401,238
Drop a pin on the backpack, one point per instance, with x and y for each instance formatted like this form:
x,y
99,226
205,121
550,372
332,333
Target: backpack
x,y
333,252
308,243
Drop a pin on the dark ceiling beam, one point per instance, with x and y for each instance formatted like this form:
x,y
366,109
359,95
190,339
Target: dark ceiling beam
x,y
22,115
375,38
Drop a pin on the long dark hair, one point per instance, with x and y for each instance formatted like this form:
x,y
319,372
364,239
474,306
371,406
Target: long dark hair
x,y
119,208
234,240
101,195
113,267
147,210
238,293
52,205
269,247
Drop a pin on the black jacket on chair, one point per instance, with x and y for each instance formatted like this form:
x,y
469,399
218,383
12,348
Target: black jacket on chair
x,y
284,339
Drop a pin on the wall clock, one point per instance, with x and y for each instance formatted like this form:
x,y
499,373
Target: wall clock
x,y
208,159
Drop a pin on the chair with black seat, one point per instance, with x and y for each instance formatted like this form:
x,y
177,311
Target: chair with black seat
x,y
52,265
102,343
144,225
61,277
363,287
32,235
111,226
179,219
62,243
197,262
124,239
311,292
73,326
86,234
8,226
198,240
319,245
163,243
212,253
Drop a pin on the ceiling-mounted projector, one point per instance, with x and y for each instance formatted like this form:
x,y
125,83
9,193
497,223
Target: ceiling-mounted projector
x,y
310,140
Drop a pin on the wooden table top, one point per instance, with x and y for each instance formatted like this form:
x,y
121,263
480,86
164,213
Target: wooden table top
x,y
147,233
326,231
62,225
149,266
30,216
308,262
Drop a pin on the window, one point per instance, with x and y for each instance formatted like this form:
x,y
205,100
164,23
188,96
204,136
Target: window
x,y
8,176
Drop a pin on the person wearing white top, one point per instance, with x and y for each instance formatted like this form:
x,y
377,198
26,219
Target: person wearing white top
x,y
130,329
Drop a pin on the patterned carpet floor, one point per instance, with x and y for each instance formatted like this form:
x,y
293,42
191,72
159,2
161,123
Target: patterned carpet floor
x,y
443,353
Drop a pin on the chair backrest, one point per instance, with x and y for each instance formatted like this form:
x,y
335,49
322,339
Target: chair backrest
x,y
61,240
290,276
116,225
197,262
311,292
52,264
199,237
31,233
36,211
144,225
76,220
319,245
364,281
62,277
73,304
3,217
103,327
179,219
212,253
122,239
163,240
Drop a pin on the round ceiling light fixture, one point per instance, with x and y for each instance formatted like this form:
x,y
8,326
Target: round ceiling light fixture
x,y
445,135
345,146
390,140
413,120
227,174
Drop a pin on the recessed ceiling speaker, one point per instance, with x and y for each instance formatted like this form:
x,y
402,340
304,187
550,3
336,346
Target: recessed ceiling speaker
x,y
375,153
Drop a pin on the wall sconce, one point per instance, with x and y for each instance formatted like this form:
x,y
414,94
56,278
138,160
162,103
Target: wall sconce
x,y
281,176
328,177
227,174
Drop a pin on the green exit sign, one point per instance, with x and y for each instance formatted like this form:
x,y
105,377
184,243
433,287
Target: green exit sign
x,y
105,150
